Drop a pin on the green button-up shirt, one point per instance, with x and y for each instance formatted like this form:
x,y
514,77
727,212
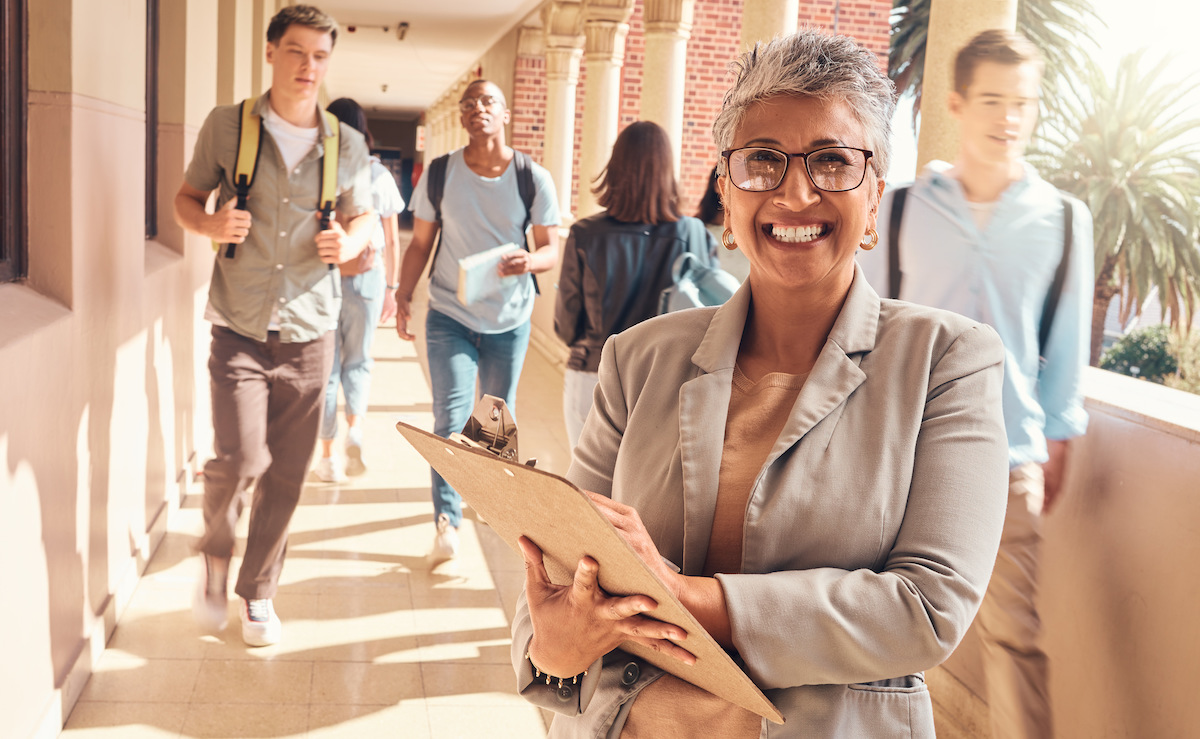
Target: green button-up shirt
x,y
277,266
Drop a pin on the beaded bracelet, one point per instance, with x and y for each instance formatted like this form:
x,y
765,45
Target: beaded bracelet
x,y
538,674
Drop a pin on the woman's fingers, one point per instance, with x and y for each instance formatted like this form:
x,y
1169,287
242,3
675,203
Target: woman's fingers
x,y
667,648
535,569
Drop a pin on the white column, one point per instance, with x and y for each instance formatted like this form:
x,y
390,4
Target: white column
x,y
763,20
562,21
952,23
605,26
668,28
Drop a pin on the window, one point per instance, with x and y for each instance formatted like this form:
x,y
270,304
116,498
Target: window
x,y
151,118
12,140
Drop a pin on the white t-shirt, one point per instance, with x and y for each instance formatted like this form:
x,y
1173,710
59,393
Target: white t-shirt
x,y
294,142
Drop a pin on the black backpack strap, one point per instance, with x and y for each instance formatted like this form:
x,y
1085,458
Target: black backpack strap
x,y
434,189
1060,277
525,187
899,194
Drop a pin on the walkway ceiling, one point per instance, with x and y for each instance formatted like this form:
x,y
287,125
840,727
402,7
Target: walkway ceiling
x,y
443,40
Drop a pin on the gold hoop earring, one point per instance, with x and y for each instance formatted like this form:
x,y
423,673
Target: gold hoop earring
x,y
868,246
728,241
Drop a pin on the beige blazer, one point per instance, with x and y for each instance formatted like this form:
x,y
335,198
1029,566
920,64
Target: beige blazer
x,y
870,533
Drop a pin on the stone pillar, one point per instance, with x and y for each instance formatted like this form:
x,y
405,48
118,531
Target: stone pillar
x,y
605,26
562,22
952,23
763,20
668,28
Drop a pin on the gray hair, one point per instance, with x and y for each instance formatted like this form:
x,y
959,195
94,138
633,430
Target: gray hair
x,y
810,63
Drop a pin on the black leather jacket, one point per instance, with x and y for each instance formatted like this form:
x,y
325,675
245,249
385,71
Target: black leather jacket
x,y
612,275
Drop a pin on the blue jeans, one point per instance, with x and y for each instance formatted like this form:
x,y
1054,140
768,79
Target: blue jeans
x,y
362,304
456,354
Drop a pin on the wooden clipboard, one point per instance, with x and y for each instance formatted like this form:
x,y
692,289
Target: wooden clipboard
x,y
518,500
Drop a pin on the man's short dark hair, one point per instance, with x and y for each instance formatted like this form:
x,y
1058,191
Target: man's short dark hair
x,y
302,15
997,46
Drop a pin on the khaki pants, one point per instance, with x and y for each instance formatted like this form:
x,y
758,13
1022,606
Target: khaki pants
x,y
266,400
1014,662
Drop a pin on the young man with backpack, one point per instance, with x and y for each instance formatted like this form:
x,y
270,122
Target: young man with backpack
x,y
479,197
273,302
988,238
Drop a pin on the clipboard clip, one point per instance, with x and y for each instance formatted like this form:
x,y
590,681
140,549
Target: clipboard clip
x,y
491,428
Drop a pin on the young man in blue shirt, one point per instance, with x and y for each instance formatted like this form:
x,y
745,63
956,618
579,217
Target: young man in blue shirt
x,y
481,208
984,237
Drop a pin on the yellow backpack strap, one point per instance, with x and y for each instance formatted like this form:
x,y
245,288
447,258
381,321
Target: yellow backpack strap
x,y
246,164
329,169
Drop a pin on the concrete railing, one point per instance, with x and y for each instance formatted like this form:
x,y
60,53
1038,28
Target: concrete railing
x,y
1120,590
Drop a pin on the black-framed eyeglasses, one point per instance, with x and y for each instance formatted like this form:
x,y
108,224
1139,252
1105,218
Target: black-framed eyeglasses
x,y
466,105
831,168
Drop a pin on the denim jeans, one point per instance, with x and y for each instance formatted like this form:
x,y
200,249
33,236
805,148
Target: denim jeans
x,y
456,356
578,387
362,304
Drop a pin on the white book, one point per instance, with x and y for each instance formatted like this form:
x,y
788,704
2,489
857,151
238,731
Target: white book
x,y
479,274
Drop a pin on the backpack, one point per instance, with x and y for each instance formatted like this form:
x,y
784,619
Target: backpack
x,y
695,285
245,167
1056,288
523,168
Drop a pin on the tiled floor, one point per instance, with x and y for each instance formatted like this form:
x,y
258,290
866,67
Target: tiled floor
x,y
378,642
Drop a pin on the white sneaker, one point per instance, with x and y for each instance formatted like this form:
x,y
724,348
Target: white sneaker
x,y
354,456
445,544
260,626
329,469
210,604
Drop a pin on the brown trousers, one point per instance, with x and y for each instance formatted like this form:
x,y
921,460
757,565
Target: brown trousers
x,y
1015,666
267,399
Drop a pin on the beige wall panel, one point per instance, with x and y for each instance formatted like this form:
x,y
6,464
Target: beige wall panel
x,y
201,60
109,57
50,195
50,24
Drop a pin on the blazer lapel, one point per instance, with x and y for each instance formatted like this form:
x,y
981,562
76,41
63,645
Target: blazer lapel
x,y
836,374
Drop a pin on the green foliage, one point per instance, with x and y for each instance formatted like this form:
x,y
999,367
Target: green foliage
x,y
1186,350
1144,353
1060,28
1127,148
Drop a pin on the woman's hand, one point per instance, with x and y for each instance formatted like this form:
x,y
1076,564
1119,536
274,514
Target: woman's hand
x,y
575,625
626,520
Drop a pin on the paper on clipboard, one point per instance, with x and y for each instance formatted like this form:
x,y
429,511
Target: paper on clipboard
x,y
519,500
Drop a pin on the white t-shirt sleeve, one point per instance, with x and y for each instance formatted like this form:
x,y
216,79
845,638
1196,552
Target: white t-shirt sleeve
x,y
545,200
420,204
388,201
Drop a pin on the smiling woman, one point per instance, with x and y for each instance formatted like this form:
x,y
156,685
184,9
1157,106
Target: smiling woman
x,y
731,442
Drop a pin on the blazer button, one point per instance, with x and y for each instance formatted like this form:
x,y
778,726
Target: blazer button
x,y
565,694
631,674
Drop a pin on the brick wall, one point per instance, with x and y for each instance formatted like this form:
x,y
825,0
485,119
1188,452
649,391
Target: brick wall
x,y
713,45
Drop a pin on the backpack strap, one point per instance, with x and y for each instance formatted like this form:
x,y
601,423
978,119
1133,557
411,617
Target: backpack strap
x,y
434,188
1060,278
526,188
329,169
246,164
899,195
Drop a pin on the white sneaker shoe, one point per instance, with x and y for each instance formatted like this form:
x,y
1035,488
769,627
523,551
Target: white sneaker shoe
x,y
210,604
354,456
445,544
329,469
260,626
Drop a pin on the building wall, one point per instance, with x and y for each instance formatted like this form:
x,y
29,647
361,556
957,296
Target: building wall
x,y
713,45
102,355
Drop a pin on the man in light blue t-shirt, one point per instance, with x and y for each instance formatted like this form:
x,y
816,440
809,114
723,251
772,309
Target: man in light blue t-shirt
x,y
481,208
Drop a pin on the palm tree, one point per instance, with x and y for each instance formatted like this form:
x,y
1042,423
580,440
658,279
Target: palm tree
x,y
1059,28
1129,149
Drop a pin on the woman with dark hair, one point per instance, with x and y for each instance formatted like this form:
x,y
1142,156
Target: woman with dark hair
x,y
618,261
363,303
